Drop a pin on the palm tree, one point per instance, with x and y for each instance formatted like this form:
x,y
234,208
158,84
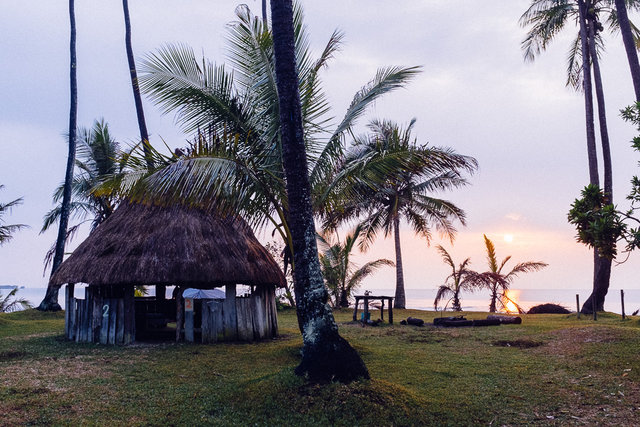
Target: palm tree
x,y
325,354
98,157
142,124
546,19
7,230
341,275
236,115
50,301
460,279
499,282
386,177
10,304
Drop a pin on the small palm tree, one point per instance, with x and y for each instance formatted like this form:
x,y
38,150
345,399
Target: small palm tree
x,y
460,279
10,304
7,230
498,282
387,177
341,275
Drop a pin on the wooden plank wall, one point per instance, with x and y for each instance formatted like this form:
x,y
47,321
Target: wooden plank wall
x,y
99,319
250,318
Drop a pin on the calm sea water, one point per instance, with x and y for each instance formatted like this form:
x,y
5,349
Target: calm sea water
x,y
423,298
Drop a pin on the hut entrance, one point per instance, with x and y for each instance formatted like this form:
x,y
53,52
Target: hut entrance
x,y
155,317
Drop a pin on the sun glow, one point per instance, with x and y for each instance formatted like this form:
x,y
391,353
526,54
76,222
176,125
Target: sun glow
x,y
508,238
510,300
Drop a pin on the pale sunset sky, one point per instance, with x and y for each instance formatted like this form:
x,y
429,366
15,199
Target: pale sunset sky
x,y
475,94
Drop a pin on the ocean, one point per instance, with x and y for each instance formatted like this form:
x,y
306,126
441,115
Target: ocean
x,y
422,299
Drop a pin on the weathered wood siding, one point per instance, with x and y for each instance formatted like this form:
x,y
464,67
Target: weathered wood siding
x,y
249,318
105,319
97,318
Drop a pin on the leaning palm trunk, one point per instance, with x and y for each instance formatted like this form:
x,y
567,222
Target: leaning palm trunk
x,y
326,355
50,301
142,124
629,45
400,299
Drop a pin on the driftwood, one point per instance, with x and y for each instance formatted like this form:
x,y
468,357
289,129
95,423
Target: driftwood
x,y
486,322
414,321
513,320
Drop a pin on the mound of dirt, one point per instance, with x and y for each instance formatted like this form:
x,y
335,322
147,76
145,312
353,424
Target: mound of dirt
x,y
548,308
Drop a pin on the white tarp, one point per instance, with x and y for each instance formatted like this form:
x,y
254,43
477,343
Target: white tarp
x,y
203,293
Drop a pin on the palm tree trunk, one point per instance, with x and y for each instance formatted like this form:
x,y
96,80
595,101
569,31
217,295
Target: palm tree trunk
x,y
50,301
264,12
629,45
588,97
602,266
602,117
456,301
400,299
494,298
590,126
326,355
344,300
142,124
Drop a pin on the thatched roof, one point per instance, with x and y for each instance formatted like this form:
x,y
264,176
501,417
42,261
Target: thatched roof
x,y
151,245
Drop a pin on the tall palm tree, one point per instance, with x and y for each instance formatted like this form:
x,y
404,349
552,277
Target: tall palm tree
x,y
386,177
6,230
325,354
98,157
460,279
341,275
546,18
499,282
133,73
50,301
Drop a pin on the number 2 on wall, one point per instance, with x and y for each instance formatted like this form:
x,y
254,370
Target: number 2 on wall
x,y
105,310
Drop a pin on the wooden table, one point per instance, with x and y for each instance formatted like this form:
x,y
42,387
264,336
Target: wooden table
x,y
368,298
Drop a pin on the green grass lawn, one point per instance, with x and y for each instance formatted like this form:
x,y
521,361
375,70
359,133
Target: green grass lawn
x,y
551,369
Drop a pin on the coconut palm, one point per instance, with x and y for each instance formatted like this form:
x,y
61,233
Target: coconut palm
x,y
545,19
341,275
10,303
499,282
386,177
237,114
50,301
325,354
98,155
6,230
460,279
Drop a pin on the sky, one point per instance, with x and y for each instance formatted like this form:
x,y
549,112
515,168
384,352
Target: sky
x,y
475,94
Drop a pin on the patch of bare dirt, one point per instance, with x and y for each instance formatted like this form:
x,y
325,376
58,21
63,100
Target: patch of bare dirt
x,y
571,341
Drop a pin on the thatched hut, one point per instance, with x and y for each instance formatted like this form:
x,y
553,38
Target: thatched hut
x,y
169,246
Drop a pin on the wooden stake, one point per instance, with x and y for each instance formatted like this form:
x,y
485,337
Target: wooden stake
x,y
622,302
578,305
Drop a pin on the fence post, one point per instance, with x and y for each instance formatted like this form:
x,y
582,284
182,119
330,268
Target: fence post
x,y
578,305
622,302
